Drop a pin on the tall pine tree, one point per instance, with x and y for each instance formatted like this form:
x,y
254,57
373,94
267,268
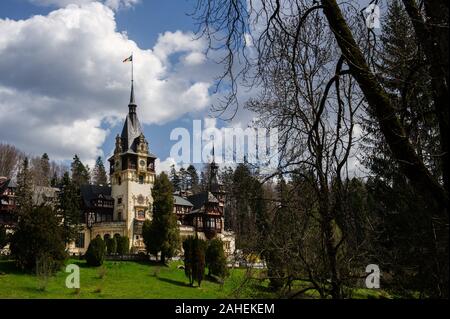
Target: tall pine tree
x,y
69,206
99,173
80,173
24,192
162,234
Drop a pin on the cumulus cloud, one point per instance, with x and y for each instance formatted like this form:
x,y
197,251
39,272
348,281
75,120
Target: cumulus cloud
x,y
165,166
113,4
63,83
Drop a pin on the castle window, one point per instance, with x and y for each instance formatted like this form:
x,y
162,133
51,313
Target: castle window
x,y
141,179
119,216
141,214
79,243
119,200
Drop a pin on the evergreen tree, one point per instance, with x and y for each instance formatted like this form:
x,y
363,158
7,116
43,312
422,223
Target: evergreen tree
x,y
69,205
123,245
162,235
111,245
215,259
24,192
99,173
175,178
194,259
193,182
247,208
80,173
183,179
54,182
151,237
39,237
415,240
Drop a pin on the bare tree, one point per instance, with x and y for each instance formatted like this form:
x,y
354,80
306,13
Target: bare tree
x,y
251,34
9,159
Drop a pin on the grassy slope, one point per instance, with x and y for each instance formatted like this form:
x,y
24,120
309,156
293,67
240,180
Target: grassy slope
x,y
137,280
120,280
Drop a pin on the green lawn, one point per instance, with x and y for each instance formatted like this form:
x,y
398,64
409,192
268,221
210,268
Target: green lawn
x,y
123,279
128,279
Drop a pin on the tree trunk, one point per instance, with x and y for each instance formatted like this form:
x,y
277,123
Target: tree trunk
x,y
327,231
394,133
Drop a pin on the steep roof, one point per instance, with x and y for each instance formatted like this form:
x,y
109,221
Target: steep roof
x,y
178,200
130,132
200,199
90,192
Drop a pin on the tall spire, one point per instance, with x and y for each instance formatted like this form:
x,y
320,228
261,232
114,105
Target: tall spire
x,y
132,105
132,101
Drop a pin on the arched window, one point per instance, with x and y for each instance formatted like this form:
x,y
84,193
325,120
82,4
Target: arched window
x,y
107,236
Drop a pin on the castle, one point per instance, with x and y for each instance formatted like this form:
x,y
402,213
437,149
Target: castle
x,y
121,208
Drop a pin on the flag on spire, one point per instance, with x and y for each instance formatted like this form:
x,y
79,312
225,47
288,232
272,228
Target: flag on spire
x,y
129,59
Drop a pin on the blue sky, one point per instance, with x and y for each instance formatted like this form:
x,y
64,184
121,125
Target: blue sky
x,y
70,101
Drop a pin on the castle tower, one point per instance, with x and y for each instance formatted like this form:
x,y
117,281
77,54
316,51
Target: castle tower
x,y
132,175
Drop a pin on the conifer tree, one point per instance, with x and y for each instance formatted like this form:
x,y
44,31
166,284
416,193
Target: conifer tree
x,y
175,178
80,173
24,192
38,238
69,206
193,182
99,173
162,234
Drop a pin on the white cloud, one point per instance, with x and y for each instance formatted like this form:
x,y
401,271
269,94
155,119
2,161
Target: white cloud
x,y
113,4
62,80
165,166
194,58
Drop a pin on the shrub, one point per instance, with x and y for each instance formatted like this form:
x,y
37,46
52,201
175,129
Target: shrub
x,y
194,259
215,259
111,246
96,252
123,245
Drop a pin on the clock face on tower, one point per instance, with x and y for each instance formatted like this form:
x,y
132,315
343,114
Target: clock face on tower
x,y
142,163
